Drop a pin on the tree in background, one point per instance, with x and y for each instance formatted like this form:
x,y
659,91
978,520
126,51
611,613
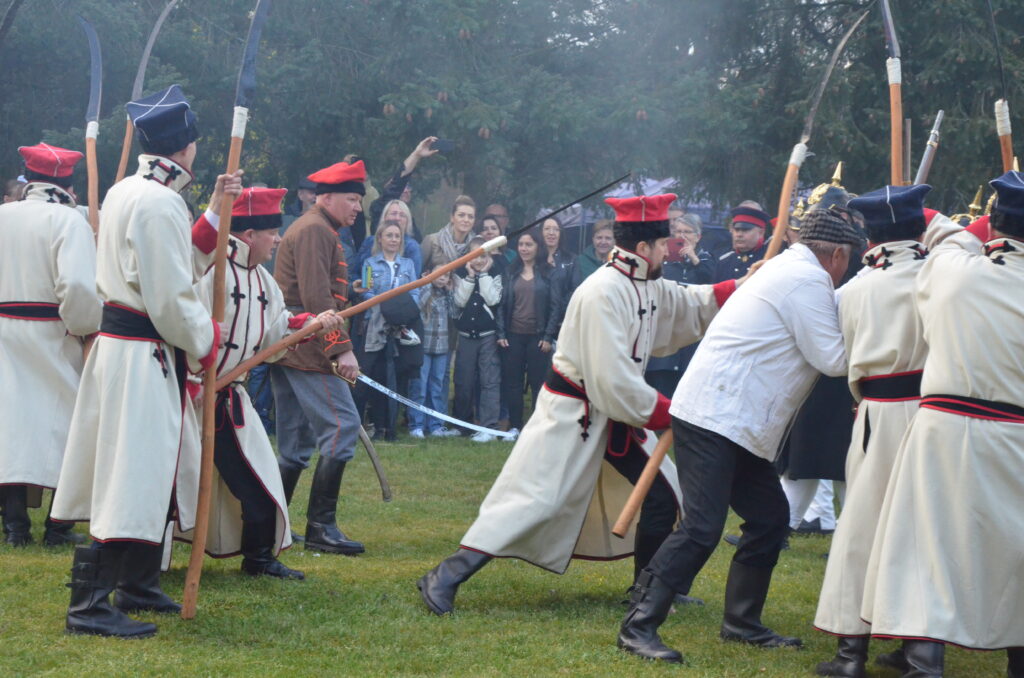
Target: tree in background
x,y
544,98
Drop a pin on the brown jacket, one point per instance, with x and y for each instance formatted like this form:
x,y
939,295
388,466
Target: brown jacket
x,y
313,276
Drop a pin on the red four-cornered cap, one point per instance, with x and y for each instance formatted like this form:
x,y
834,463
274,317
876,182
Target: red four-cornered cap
x,y
51,161
340,173
258,202
642,208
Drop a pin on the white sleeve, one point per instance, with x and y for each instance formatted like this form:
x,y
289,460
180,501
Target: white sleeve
x,y
463,290
809,312
74,260
490,289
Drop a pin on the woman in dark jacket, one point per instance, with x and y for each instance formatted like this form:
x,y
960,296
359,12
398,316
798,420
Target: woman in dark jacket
x,y
528,319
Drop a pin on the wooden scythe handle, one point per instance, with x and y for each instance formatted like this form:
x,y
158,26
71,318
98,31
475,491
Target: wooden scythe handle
x,y
643,486
314,326
896,133
126,149
94,184
782,222
195,563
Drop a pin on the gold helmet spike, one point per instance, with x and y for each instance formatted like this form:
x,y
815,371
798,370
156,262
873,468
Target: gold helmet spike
x,y
991,202
1016,164
800,209
975,207
837,177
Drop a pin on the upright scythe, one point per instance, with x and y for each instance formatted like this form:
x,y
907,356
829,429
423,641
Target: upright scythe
x,y
1003,128
895,73
92,125
796,158
140,78
243,93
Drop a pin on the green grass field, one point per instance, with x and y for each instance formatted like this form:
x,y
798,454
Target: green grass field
x,y
363,616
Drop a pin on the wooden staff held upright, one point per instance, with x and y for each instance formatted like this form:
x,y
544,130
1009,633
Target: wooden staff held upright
x,y
92,125
246,82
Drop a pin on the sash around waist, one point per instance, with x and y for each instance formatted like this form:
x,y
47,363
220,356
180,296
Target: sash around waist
x,y
29,310
121,322
976,408
891,387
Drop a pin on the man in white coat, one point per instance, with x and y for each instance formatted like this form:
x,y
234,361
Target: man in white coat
x,y
946,562
48,306
248,507
125,437
885,349
575,462
730,412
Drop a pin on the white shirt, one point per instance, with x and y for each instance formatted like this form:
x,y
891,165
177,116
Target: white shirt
x,y
762,354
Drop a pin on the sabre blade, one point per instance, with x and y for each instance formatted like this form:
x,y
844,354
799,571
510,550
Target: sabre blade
x,y
92,111
820,91
513,234
247,73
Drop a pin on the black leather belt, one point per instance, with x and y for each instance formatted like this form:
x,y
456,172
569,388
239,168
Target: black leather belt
x,y
891,387
29,310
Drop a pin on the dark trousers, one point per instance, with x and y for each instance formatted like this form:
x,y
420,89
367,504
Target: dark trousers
x,y
389,370
477,380
522,359
257,506
714,474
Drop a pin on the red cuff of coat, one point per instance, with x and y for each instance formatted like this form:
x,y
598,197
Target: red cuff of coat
x,y
660,418
980,229
297,322
723,291
193,390
208,360
204,235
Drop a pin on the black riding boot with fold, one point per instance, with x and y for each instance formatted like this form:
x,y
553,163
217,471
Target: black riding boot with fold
x,y
439,586
849,661
745,592
322,533
138,586
649,604
93,576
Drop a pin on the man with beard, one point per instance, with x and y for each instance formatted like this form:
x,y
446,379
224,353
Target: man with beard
x,y
575,462
730,412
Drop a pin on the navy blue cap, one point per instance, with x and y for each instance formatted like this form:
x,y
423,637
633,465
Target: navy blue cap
x,y
892,205
165,122
745,218
1010,189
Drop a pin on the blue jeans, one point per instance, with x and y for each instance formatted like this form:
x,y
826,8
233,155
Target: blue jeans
x,y
430,390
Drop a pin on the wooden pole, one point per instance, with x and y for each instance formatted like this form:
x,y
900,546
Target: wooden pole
x,y
796,159
896,120
92,168
643,486
1005,132
126,149
315,326
195,563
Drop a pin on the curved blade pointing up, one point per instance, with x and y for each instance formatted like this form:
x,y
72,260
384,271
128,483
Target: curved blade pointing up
x,y
92,113
247,74
891,40
809,121
140,75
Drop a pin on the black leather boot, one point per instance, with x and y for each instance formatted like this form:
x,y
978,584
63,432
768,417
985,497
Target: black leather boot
x,y
439,586
896,659
1015,662
745,592
17,524
60,533
849,661
93,576
925,658
649,603
138,586
322,533
258,551
645,545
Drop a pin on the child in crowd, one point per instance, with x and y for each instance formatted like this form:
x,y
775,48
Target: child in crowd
x,y
477,294
436,308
